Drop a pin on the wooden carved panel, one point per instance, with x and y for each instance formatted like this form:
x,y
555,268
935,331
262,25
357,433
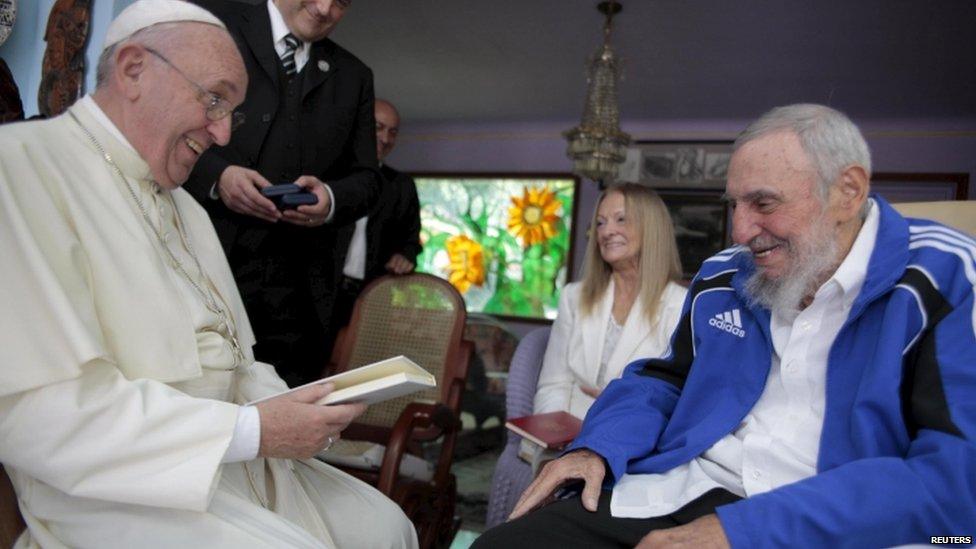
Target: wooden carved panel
x,y
8,14
63,69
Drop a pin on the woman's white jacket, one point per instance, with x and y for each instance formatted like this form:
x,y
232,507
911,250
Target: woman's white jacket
x,y
572,358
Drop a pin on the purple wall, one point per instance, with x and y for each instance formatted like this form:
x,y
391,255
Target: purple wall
x,y
896,146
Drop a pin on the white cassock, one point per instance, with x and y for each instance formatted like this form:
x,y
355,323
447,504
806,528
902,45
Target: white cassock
x,y
118,390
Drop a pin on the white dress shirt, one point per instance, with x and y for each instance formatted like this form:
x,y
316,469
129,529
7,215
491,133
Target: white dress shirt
x,y
278,32
778,441
355,265
610,340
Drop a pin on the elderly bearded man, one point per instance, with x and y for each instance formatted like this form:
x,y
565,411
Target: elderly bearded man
x,y
820,389
125,349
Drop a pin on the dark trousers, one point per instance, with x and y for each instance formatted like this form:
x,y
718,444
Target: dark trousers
x,y
290,336
346,294
565,524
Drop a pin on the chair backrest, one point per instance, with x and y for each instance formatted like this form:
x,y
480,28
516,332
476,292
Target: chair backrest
x,y
494,345
419,316
523,374
959,214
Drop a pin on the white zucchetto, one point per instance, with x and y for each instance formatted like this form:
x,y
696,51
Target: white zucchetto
x,y
146,13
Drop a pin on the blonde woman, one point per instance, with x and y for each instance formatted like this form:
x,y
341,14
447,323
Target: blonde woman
x,y
626,306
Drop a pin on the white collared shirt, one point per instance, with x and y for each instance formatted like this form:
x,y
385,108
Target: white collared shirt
x,y
355,265
779,440
279,29
610,340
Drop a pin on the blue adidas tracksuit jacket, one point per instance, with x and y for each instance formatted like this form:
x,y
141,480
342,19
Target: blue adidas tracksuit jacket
x,y
897,459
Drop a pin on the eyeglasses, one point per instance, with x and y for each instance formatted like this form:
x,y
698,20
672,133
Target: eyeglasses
x,y
218,108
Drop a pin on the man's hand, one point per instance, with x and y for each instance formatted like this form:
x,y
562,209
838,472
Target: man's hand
x,y
582,464
704,532
314,215
399,264
240,190
293,426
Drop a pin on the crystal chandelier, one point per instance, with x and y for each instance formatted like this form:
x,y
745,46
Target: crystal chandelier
x,y
597,146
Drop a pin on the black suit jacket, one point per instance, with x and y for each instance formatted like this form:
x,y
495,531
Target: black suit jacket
x,y
338,145
338,128
393,226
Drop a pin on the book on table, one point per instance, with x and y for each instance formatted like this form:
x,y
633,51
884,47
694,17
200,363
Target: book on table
x,y
372,383
552,431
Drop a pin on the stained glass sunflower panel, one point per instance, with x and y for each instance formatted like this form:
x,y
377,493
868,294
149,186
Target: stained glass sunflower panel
x,y
503,241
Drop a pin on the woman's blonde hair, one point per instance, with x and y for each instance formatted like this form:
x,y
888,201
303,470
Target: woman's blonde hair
x,y
659,262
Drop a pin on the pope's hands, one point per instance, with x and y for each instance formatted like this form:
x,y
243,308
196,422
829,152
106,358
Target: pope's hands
x,y
293,426
704,532
240,190
310,215
581,464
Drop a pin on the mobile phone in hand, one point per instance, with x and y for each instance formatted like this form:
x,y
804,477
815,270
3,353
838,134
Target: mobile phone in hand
x,y
295,200
287,196
280,190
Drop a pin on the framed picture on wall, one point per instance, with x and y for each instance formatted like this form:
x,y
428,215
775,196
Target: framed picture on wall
x,y
920,187
690,178
701,225
503,240
678,164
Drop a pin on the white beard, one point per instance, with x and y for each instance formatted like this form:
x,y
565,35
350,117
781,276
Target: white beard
x,y
812,260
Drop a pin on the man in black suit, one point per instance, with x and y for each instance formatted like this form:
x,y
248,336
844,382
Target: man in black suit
x,y
387,239
309,120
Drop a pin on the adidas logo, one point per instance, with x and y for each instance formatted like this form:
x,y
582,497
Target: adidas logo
x,y
729,321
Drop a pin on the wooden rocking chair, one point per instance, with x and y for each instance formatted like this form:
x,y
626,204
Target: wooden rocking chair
x,y
422,317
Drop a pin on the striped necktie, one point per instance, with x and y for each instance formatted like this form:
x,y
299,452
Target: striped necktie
x,y
288,58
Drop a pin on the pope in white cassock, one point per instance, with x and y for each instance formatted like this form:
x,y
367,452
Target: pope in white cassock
x,y
125,352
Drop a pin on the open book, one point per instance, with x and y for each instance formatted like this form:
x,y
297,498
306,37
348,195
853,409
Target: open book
x,y
372,383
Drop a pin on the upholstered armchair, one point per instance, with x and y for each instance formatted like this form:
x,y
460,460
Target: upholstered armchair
x,y
512,475
960,214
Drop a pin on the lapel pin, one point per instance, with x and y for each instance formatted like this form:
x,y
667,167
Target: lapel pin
x,y
323,66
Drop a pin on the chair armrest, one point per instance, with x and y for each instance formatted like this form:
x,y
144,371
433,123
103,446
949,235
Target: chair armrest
x,y
455,388
417,415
